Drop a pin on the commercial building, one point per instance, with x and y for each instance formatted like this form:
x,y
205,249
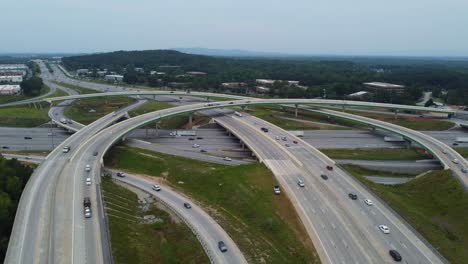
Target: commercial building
x,y
360,94
196,73
140,70
233,85
265,81
11,79
114,78
13,69
82,71
10,89
157,73
262,89
380,86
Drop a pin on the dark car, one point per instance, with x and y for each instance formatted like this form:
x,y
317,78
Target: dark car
x,y
27,137
264,129
455,143
95,153
352,196
187,205
325,177
5,147
191,139
202,150
395,255
231,102
329,168
222,246
199,137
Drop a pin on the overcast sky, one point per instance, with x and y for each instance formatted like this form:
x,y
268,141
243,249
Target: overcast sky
x,y
337,27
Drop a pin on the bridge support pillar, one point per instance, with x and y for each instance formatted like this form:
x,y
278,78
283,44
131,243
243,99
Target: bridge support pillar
x,y
295,110
190,118
396,114
243,107
243,146
154,97
207,99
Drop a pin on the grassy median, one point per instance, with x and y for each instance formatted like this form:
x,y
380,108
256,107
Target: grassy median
x,y
134,241
436,206
150,106
79,89
23,116
89,110
264,226
377,154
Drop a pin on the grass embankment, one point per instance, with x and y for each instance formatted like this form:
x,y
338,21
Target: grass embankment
x,y
276,116
150,106
264,226
462,151
23,116
79,89
436,206
357,170
133,241
80,109
57,93
376,154
423,124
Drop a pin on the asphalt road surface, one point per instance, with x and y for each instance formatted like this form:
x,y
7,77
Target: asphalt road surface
x,y
206,228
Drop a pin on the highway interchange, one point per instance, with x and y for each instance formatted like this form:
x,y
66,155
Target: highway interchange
x,y
343,230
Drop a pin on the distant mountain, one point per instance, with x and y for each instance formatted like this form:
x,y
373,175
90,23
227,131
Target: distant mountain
x,y
233,53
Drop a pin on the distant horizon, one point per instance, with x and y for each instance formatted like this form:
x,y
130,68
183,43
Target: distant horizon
x,y
248,53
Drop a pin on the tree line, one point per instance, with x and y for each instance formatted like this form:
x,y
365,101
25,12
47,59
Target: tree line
x,y
13,178
335,78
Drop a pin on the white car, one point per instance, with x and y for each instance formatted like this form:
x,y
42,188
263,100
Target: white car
x,y
87,212
88,181
384,229
88,167
455,161
277,138
444,151
300,183
464,170
156,187
276,190
368,202
227,159
195,146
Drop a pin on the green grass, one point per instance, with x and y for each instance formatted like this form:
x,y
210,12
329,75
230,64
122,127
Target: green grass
x,y
79,89
376,154
79,109
462,151
135,242
150,106
264,226
57,93
274,114
357,170
422,124
436,206
23,116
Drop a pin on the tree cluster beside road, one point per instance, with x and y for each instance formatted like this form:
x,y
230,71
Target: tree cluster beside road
x,y
13,178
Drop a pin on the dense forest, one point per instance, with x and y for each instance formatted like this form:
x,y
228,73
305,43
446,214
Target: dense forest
x,y
334,77
13,178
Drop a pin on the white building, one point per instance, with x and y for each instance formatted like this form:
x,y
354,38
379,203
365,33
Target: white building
x,y
13,68
11,79
82,71
358,94
114,78
385,87
10,89
265,81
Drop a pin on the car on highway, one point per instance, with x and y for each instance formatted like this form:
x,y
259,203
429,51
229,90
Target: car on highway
x,y
87,212
120,174
294,141
353,196
191,139
300,183
95,153
276,190
444,151
286,145
187,205
456,161
455,144
5,147
199,137
50,134
227,159
195,146
329,167
156,187
222,246
395,255
88,167
66,149
277,138
202,150
324,176
264,129
27,137
284,138
28,158
464,170
368,202
88,181
384,229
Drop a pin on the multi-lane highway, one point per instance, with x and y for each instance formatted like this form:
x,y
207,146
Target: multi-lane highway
x,y
347,229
